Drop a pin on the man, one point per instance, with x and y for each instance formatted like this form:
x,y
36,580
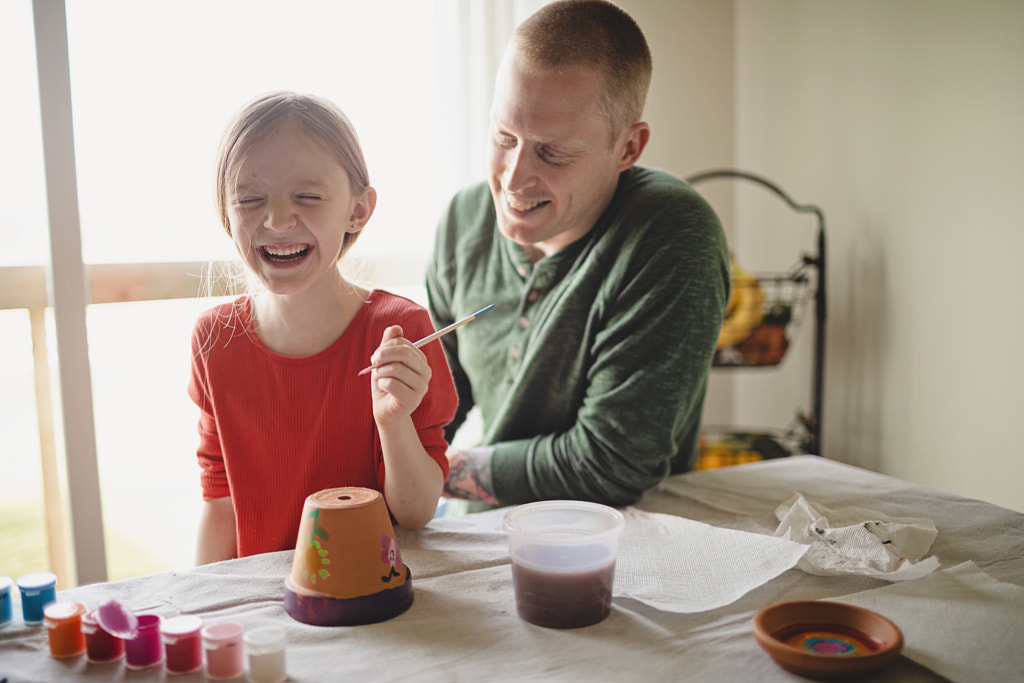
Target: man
x,y
609,280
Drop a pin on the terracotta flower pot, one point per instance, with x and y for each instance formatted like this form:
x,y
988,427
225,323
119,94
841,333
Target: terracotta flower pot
x,y
347,568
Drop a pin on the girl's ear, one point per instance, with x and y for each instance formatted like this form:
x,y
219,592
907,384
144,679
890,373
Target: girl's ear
x,y
363,209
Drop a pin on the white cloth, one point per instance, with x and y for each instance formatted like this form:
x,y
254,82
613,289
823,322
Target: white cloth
x,y
958,622
463,626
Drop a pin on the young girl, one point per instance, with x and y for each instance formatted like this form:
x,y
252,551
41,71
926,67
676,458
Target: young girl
x,y
283,413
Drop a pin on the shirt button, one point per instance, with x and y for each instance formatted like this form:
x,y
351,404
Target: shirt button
x,y
533,296
523,271
524,323
515,352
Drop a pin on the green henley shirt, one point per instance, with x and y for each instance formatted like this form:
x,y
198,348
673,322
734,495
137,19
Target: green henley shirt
x,y
590,374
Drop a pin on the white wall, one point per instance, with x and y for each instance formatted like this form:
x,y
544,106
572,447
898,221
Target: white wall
x,y
691,110
904,121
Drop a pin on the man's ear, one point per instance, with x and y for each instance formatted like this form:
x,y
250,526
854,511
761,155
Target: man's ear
x,y
633,144
363,209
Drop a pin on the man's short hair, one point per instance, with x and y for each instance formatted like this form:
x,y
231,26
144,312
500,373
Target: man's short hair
x,y
599,35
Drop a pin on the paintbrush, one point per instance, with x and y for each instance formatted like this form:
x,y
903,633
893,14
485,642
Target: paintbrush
x,y
443,331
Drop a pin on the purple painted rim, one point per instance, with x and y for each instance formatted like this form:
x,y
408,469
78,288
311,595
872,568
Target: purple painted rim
x,y
323,610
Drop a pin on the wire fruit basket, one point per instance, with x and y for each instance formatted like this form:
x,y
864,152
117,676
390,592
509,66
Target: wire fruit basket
x,y
764,315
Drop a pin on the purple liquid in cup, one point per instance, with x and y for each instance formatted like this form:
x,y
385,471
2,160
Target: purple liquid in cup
x,y
563,599
563,561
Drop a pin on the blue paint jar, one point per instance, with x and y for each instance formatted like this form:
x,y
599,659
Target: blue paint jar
x,y
37,591
6,611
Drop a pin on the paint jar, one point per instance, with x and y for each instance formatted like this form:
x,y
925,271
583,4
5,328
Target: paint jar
x,y
145,649
183,649
37,591
6,609
100,645
63,622
265,647
224,654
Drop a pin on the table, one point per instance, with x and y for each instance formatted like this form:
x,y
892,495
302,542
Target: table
x,y
463,626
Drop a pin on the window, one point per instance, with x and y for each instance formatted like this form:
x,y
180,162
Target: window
x,y
152,86
23,530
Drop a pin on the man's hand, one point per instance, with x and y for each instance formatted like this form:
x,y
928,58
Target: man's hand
x,y
469,475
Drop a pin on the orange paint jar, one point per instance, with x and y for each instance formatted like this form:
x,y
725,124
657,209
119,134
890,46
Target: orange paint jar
x,y
63,621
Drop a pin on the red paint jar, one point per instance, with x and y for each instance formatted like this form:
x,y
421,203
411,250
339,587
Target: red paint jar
x,y
183,649
100,646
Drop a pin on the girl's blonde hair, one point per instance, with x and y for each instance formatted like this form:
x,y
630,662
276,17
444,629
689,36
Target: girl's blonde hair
x,y
317,116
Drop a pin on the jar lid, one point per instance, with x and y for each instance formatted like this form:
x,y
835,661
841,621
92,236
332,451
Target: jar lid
x,y
222,632
5,584
181,625
117,620
62,611
264,639
37,581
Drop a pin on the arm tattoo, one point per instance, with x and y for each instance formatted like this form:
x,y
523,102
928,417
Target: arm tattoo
x,y
469,475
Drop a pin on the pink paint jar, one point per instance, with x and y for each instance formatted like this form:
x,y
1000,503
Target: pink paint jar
x,y
63,621
100,646
183,649
224,653
145,649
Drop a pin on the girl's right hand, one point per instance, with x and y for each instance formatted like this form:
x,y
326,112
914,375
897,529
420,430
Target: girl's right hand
x,y
399,379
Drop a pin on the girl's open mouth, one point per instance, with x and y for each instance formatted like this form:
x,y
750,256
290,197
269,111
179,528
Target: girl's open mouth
x,y
285,254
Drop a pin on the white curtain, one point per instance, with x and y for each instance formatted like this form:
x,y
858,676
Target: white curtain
x,y
473,37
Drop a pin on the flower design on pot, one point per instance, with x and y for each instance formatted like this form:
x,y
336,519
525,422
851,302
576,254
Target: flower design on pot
x,y
316,555
390,556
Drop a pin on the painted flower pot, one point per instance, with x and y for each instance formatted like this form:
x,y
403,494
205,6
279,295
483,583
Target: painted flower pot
x,y
347,568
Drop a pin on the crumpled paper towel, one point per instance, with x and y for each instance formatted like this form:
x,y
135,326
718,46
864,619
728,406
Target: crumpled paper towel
x,y
855,540
679,565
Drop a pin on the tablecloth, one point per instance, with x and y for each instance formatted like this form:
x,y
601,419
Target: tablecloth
x,y
462,625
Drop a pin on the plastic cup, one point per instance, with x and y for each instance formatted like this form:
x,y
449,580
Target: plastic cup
x,y
63,621
6,610
183,648
37,591
563,561
265,647
100,645
145,648
224,653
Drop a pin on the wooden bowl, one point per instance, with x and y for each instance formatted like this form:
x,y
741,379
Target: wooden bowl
x,y
827,641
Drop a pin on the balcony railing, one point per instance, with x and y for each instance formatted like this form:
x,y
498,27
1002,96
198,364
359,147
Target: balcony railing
x,y
25,287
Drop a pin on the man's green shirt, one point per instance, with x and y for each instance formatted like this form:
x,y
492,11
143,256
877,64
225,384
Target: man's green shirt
x,y
590,374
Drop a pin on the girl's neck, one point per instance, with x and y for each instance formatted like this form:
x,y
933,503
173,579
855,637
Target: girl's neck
x,y
306,324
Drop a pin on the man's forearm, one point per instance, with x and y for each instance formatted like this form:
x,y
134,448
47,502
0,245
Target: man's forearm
x,y
469,475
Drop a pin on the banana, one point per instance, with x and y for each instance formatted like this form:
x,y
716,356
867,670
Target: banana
x,y
743,312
